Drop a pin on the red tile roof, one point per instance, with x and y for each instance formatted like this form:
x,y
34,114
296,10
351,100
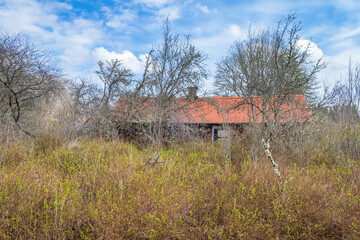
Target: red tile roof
x,y
216,110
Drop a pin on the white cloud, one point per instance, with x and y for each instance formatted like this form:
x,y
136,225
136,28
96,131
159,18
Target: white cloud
x,y
202,8
60,5
217,43
71,39
346,4
172,12
314,51
121,20
338,64
135,64
236,32
153,3
346,33
29,16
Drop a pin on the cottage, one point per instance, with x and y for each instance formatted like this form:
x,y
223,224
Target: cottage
x,y
215,112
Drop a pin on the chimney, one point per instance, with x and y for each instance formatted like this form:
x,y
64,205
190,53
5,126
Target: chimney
x,y
192,93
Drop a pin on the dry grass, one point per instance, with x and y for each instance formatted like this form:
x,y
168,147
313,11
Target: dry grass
x,y
100,190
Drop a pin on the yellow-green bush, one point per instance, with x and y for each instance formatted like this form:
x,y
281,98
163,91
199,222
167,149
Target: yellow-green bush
x,y
101,190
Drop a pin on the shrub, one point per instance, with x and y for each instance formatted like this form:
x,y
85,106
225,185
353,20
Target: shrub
x,y
102,190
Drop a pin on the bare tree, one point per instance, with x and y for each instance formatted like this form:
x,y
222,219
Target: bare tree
x,y
170,70
268,69
27,75
346,110
115,78
93,106
84,99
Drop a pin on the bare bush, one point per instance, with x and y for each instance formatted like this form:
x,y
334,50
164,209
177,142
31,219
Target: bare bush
x,y
28,75
90,109
344,113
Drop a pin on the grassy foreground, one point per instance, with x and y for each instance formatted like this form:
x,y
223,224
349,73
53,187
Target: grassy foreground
x,y
101,190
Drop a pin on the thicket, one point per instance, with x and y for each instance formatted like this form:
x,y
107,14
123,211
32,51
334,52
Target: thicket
x,y
96,189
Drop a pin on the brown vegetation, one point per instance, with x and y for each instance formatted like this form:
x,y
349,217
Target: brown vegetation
x,y
100,190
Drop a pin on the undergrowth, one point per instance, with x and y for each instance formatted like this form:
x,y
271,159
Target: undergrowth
x,y
101,190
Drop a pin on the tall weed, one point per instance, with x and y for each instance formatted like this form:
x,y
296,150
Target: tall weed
x,y
101,190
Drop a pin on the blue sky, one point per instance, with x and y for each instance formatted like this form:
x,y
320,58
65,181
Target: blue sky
x,y
82,32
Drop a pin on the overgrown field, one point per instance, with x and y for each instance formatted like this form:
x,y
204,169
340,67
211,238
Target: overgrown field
x,y
101,190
